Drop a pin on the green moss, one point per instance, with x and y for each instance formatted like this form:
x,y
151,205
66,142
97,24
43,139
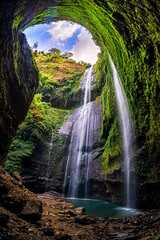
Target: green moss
x,y
17,21
111,154
18,151
60,141
110,134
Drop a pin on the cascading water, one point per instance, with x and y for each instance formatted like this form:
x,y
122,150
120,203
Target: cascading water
x,y
78,150
50,147
126,130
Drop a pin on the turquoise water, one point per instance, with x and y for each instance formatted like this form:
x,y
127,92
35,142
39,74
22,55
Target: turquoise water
x,y
98,208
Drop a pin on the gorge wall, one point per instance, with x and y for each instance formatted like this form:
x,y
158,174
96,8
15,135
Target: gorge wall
x,y
130,32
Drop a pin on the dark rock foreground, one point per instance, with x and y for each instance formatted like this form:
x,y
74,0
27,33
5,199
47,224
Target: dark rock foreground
x,y
23,215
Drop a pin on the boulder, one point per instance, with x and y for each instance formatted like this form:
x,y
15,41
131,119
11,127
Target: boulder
x,y
31,210
80,211
18,199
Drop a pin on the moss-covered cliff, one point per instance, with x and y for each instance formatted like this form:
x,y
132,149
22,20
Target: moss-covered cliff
x,y
59,84
60,80
129,31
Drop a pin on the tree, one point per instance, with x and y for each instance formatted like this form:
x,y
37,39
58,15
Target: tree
x,y
87,65
67,55
54,51
35,45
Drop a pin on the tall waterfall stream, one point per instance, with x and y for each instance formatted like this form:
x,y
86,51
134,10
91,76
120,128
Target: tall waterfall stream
x,y
78,149
125,121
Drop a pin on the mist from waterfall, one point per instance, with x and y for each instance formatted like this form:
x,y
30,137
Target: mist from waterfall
x,y
125,121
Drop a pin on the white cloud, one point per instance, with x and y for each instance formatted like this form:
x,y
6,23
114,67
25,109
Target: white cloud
x,y
85,48
60,44
62,30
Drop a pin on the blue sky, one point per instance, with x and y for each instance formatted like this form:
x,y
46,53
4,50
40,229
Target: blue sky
x,y
66,36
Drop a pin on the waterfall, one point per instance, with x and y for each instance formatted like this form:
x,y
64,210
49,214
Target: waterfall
x,y
50,147
49,156
125,128
78,156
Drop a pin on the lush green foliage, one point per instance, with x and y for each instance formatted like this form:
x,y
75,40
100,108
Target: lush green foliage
x,y
67,55
18,151
59,77
41,120
55,51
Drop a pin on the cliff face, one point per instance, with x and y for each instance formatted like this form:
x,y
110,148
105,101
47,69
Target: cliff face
x,y
129,31
19,78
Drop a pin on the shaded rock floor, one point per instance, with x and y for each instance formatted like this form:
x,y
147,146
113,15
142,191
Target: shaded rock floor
x,y
26,216
61,221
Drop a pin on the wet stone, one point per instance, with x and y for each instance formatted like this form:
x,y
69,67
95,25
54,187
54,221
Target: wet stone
x,y
80,211
3,219
83,220
48,231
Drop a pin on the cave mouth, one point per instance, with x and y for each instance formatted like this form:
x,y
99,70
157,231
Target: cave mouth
x,y
132,47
